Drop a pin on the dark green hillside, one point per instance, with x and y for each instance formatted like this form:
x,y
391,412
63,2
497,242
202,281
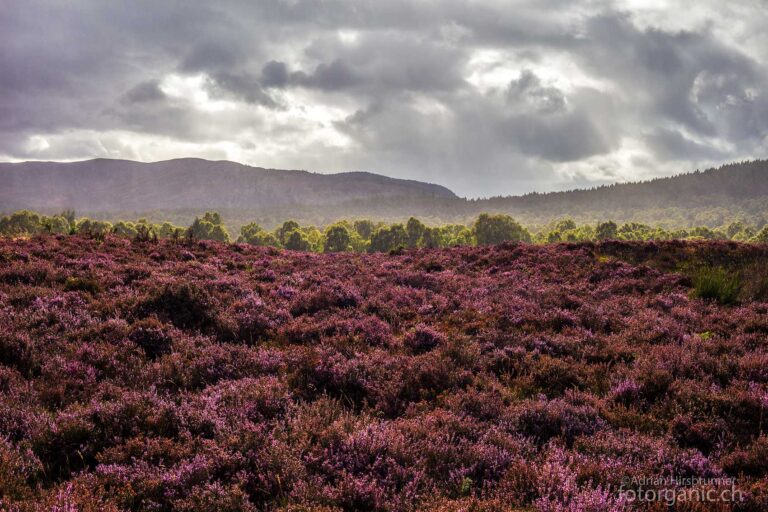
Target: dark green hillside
x,y
179,190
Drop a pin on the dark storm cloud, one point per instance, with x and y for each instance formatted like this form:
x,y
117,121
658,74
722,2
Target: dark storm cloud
x,y
485,97
274,74
242,86
528,88
148,91
673,145
375,66
333,77
212,57
660,69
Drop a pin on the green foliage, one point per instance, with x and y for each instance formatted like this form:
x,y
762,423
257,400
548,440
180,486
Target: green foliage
x,y
364,228
705,233
23,222
93,228
212,217
762,235
57,225
716,283
466,486
635,231
210,227
220,234
297,241
565,225
315,237
457,234
255,235
145,232
387,239
554,237
365,235
415,232
433,238
125,228
168,230
337,239
82,284
607,231
495,229
69,215
283,232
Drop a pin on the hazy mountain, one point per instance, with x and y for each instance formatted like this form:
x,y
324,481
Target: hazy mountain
x,y
177,190
121,185
731,182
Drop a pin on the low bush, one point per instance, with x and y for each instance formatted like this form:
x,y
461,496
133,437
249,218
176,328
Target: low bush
x,y
193,375
716,284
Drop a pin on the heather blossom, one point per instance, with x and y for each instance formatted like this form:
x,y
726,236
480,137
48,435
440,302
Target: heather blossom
x,y
184,375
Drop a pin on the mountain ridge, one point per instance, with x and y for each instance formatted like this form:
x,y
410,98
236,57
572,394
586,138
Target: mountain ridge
x,y
189,186
116,185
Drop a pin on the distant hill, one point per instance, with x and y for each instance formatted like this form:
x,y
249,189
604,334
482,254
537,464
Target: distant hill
x,y
121,185
177,190
731,182
712,198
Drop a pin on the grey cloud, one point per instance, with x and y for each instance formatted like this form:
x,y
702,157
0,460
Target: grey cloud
x,y
396,77
658,70
332,77
211,56
560,138
148,91
528,88
673,145
396,62
241,86
274,74
377,66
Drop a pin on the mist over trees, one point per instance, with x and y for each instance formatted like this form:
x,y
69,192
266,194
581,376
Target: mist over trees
x,y
728,203
714,199
365,235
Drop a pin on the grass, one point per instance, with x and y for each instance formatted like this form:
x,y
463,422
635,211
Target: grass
x,y
716,283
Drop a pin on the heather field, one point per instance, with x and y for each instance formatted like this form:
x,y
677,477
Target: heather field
x,y
199,376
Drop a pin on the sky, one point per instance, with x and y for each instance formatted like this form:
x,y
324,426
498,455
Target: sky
x,y
485,97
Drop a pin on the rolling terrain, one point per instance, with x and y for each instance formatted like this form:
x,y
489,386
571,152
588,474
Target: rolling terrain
x,y
198,376
189,183
179,190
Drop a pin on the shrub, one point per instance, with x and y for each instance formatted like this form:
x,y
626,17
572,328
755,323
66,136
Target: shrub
x,y
84,284
152,336
20,471
189,375
716,284
544,420
337,239
495,229
423,339
749,461
185,305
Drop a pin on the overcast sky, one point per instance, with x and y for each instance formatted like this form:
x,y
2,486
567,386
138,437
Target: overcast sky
x,y
485,97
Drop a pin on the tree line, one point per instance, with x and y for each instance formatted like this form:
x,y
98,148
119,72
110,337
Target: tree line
x,y
364,235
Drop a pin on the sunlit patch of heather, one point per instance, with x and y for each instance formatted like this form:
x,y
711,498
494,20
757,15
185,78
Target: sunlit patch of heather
x,y
423,339
626,392
197,376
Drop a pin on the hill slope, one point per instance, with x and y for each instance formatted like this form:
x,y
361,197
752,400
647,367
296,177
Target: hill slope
x,y
121,185
732,182
177,190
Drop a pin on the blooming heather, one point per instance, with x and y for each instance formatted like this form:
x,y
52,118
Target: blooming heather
x,y
198,376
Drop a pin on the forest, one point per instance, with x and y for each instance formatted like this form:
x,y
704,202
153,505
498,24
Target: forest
x,y
364,235
177,191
